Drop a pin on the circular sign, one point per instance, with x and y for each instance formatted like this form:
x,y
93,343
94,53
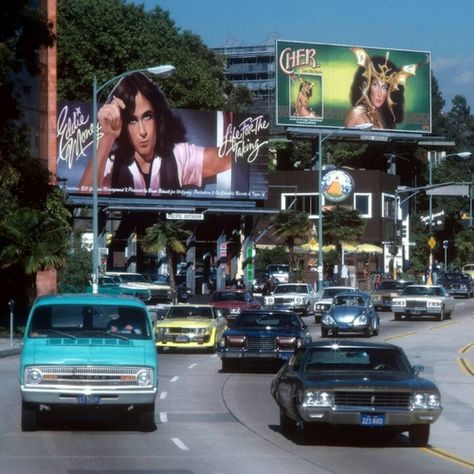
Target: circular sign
x,y
337,185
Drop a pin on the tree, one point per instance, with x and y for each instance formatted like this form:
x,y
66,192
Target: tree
x,y
108,37
342,224
293,227
168,236
464,244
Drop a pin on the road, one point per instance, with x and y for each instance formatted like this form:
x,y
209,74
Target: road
x,y
210,422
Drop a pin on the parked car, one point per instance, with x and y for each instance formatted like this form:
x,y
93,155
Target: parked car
x,y
423,300
279,271
457,284
183,293
74,359
298,297
187,326
262,335
469,269
351,312
231,302
325,300
385,291
264,283
160,293
109,286
352,383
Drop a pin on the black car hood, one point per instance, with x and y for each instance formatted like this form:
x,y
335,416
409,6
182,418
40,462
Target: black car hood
x,y
365,380
261,331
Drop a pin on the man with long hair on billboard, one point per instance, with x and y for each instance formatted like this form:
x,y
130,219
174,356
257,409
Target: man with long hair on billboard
x,y
378,91
143,149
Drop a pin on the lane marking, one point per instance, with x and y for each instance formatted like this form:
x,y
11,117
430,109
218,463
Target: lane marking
x,y
163,395
405,334
163,417
446,455
180,444
463,362
174,379
192,365
438,326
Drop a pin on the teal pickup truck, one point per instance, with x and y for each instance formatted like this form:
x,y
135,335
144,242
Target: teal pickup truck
x,y
89,353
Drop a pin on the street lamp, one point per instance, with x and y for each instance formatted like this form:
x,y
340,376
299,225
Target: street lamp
x,y
322,139
163,71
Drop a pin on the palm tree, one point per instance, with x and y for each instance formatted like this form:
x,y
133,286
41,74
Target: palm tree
x,y
168,236
342,224
293,227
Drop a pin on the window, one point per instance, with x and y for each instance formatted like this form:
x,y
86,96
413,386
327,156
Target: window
x,y
363,203
388,205
304,202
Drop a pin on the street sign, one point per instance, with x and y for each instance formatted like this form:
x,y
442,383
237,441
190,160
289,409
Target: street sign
x,y
432,242
184,217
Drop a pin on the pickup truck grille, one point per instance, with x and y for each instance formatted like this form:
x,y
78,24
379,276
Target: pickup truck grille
x,y
372,400
89,376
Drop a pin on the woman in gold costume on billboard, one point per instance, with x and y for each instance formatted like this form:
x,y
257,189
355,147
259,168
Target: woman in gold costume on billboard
x,y
378,91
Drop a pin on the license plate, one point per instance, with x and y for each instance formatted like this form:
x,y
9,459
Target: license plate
x,y
372,420
181,339
88,399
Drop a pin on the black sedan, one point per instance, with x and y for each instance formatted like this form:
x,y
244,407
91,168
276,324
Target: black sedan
x,y
262,335
457,284
356,384
351,312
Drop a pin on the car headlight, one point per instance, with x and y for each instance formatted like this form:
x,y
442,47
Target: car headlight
x,y
299,300
434,304
317,399
376,298
328,320
33,376
202,331
399,303
321,307
426,400
361,319
162,331
144,377
269,300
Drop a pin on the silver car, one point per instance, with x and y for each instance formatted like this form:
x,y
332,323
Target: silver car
x,y
423,300
298,297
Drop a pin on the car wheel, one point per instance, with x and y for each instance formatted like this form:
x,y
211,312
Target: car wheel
x,y
212,349
367,332
317,319
146,417
419,435
441,315
324,332
29,416
375,330
397,316
287,424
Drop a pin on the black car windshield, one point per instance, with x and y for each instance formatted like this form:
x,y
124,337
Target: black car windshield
x,y
392,285
189,312
267,320
85,320
349,358
280,289
228,296
422,291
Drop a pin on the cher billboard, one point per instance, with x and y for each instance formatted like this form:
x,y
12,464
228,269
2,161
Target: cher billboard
x,y
215,155
324,85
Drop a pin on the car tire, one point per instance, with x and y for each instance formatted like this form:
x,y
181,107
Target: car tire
x,y
367,332
317,320
419,435
287,425
324,332
375,330
146,418
397,316
441,315
29,416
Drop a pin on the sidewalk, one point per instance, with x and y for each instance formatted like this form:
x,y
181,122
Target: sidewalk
x,y
8,349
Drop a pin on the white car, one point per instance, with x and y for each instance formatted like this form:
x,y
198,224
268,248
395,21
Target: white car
x,y
423,300
324,301
160,293
298,297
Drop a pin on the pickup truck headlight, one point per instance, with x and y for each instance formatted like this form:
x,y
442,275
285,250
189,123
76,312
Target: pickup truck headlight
x,y
33,376
317,399
426,400
144,377
299,300
269,300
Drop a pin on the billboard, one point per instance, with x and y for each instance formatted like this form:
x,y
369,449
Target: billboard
x,y
217,155
324,85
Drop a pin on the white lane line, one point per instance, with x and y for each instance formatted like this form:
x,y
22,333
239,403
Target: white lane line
x,y
174,379
180,444
163,417
192,365
213,355
163,395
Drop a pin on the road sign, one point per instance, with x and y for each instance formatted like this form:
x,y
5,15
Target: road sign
x,y
184,217
432,242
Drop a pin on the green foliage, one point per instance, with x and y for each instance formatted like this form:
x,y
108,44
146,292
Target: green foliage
x,y
464,243
265,257
108,37
74,276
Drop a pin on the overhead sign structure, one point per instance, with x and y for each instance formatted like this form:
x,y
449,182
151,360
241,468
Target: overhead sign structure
x,y
334,86
184,217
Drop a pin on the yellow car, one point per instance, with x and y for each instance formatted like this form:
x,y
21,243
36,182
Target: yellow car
x,y
190,326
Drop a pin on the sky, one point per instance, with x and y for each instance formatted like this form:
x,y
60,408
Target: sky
x,y
445,28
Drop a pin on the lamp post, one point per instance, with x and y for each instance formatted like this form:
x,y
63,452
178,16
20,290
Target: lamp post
x,y
164,71
322,139
461,154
